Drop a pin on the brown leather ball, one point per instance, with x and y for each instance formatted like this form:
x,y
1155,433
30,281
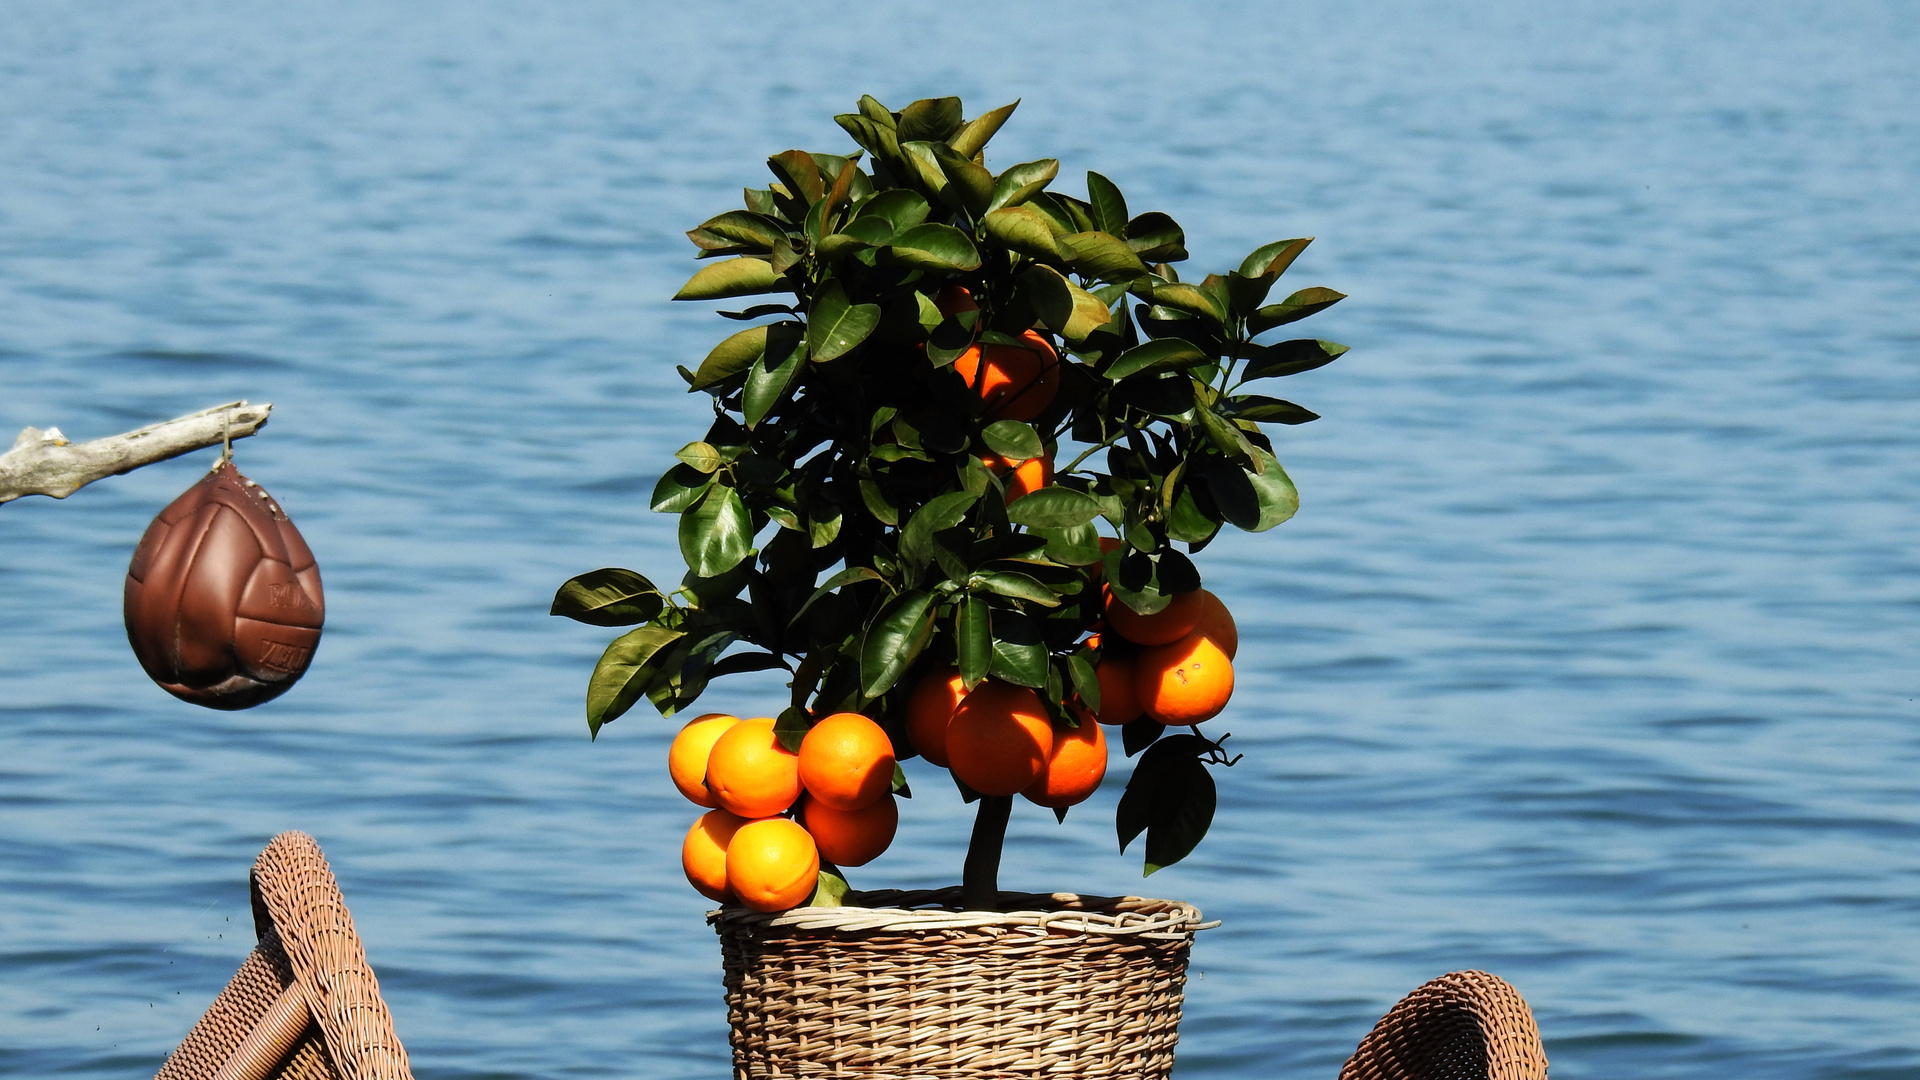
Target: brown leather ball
x,y
223,601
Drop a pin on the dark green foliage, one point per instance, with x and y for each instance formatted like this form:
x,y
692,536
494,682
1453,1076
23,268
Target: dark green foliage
x,y
846,446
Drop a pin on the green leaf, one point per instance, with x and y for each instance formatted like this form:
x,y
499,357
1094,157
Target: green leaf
x,y
775,373
1020,587
717,533
1293,309
900,209
1109,206
899,786
1256,407
791,726
1158,354
969,185
1022,182
870,107
1104,257
1086,682
1013,440
1075,545
1187,522
1191,299
1227,438
1135,813
921,162
838,581
931,119
940,513
877,505
830,892
1155,237
679,488
743,662
1019,652
1053,507
973,639
836,326
973,137
1279,499
608,597
894,640
744,227
1063,307
702,456
800,174
1292,358
933,246
1180,814
1025,230
621,676
731,277
1271,260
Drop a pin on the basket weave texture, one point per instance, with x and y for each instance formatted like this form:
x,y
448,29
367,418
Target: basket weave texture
x,y
909,984
304,1004
1465,1025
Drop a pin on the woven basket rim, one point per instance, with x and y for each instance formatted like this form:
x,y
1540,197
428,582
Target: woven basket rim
x,y
910,910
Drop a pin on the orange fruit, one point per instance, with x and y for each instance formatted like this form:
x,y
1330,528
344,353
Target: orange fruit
x,y
1027,476
1118,703
929,710
846,762
999,738
772,864
1183,682
687,758
1169,624
750,773
1074,768
1017,382
1217,623
953,300
851,837
703,854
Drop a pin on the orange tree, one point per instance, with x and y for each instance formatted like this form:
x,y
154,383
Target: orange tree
x,y
928,325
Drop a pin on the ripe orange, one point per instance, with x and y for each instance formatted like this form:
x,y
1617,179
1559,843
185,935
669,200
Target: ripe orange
x,y
1183,682
1169,624
846,762
687,759
1118,703
1027,476
750,773
772,864
999,738
851,837
954,299
1017,382
1074,768
1217,623
703,854
930,709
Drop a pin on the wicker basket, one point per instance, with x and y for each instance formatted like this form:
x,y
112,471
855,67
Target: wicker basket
x,y
910,985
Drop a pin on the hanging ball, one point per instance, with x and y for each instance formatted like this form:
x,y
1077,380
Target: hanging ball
x,y
223,601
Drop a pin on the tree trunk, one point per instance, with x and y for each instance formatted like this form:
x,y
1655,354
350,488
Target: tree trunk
x,y
980,882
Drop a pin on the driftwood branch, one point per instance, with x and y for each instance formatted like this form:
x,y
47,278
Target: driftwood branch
x,y
45,463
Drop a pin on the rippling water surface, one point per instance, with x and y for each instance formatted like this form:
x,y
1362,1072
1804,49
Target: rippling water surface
x,y
1590,660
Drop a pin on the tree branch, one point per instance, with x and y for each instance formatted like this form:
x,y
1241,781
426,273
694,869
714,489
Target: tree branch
x,y
45,463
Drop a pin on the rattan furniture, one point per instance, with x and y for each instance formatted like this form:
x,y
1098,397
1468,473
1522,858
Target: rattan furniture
x,y
304,1005
1464,1025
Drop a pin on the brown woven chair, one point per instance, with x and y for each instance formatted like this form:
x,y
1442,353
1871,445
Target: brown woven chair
x,y
304,1005
1465,1025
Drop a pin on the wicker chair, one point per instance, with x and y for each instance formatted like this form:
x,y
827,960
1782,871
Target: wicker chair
x,y
1465,1025
304,1005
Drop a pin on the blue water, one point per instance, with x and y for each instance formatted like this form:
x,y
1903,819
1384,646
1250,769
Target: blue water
x,y
1591,658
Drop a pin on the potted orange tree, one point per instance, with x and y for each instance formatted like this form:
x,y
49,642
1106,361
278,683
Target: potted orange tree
x,y
948,382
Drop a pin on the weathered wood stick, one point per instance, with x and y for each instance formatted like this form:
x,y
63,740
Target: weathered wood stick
x,y
45,463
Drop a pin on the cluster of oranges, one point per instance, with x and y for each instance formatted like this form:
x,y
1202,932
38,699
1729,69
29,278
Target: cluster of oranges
x,y
839,787
1175,666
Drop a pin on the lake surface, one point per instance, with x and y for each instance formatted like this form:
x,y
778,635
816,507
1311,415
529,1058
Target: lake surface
x,y
1590,660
